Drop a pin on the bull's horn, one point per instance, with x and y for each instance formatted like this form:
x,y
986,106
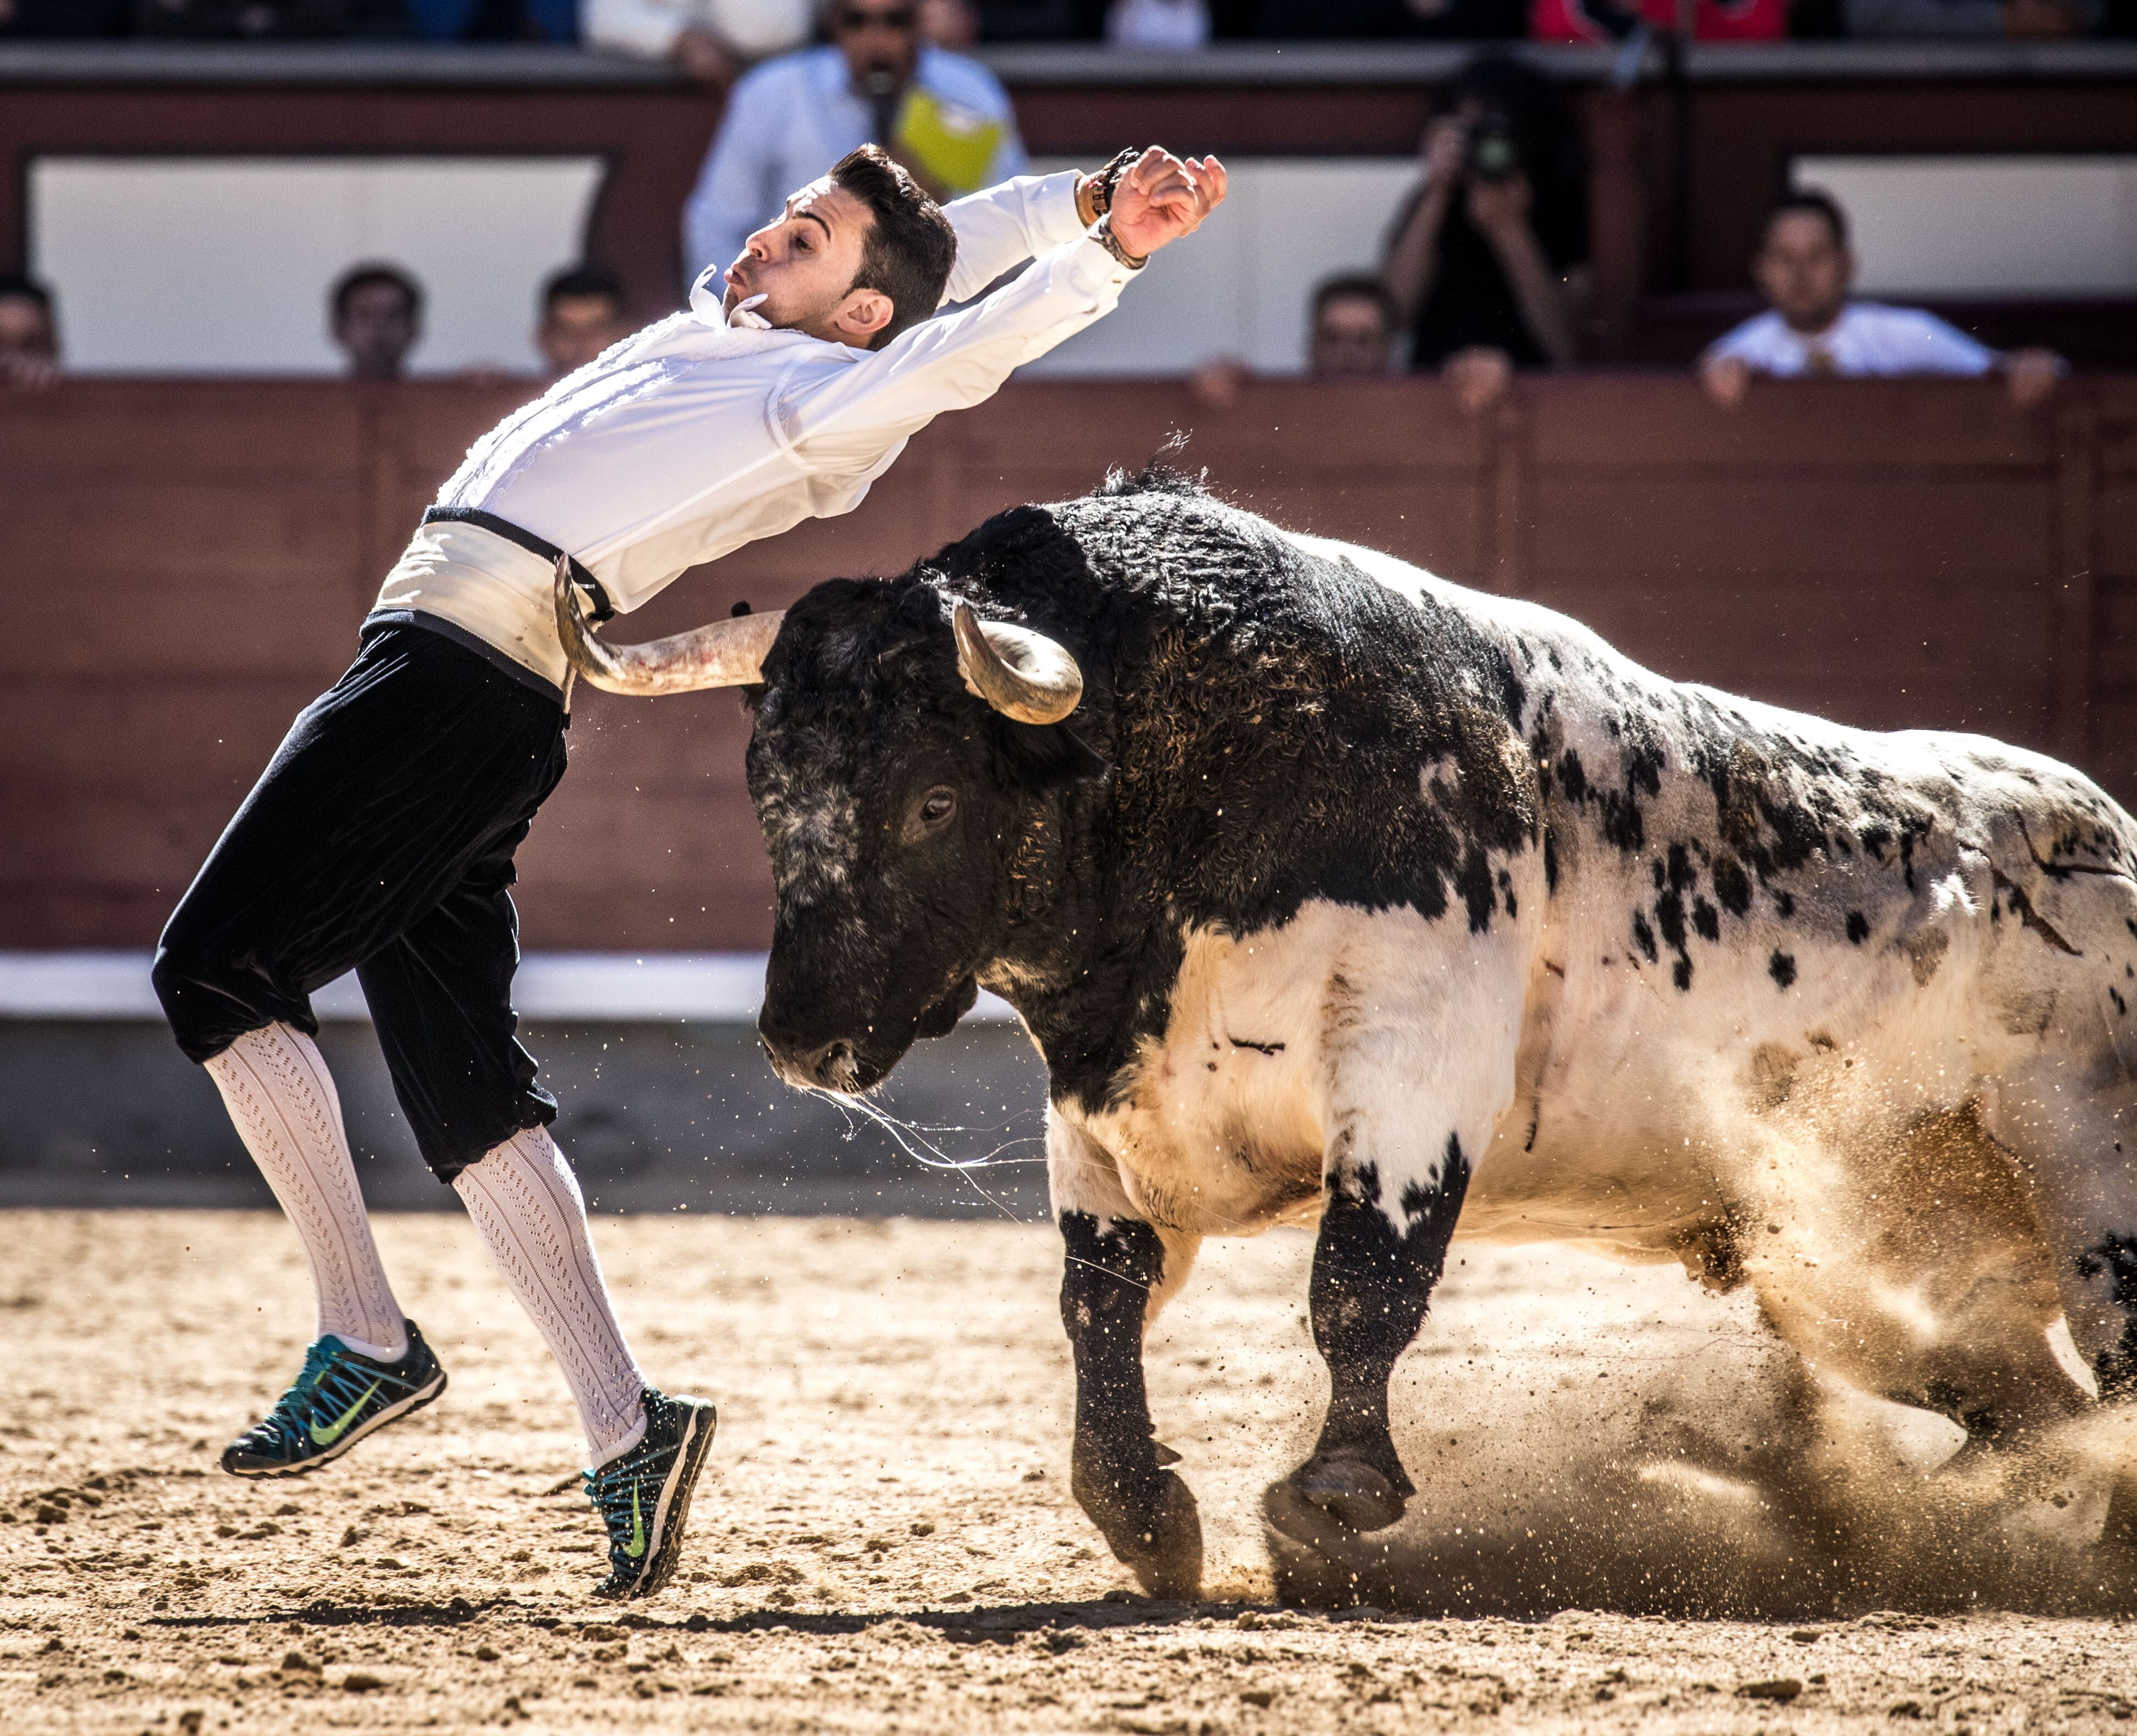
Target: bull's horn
x,y
725,653
1022,674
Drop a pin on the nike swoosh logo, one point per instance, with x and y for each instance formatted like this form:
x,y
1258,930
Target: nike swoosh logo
x,y
636,1547
340,1426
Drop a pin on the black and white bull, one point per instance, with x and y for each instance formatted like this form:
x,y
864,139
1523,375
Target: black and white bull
x,y
1346,894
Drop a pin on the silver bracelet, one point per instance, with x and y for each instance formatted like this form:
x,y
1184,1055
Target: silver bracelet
x,y
1102,232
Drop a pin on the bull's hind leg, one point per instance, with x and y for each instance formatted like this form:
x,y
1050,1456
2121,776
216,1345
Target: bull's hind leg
x,y
1117,1271
1420,1069
2071,1118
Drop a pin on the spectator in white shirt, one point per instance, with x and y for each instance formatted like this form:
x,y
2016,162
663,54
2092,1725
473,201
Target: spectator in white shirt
x,y
1805,268
945,118
711,41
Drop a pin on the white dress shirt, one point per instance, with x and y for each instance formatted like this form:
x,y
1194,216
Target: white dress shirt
x,y
790,119
1868,338
692,437
753,28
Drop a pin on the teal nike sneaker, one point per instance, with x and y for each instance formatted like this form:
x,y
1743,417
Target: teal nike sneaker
x,y
644,1497
342,1396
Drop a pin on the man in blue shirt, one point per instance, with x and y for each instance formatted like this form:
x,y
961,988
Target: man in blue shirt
x,y
945,118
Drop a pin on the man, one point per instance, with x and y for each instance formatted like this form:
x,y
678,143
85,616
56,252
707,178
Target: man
x,y
377,318
1487,261
1805,268
582,313
1349,334
708,40
1354,328
381,835
945,118
29,333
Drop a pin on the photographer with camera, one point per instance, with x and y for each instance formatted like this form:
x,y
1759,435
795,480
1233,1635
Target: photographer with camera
x,y
1488,263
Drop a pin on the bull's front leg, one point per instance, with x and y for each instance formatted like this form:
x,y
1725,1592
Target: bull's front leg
x,y
1420,1051
1117,1270
1375,1266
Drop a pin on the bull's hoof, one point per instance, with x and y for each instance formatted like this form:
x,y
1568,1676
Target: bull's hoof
x,y
1160,1542
1345,1493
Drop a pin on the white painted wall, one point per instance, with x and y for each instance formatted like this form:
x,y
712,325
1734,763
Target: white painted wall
x,y
220,265
1986,225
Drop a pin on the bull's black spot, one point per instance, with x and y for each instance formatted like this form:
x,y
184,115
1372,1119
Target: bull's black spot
x,y
1858,927
1785,904
1732,886
1782,968
2115,1367
1706,920
1680,973
1644,937
1573,775
2121,1006
1549,860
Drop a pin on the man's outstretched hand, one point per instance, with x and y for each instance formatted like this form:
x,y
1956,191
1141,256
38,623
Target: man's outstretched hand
x,y
1161,198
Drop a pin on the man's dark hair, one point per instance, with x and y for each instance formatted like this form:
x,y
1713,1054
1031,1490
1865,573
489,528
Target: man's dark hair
x,y
362,277
1820,204
909,247
1355,286
21,286
583,280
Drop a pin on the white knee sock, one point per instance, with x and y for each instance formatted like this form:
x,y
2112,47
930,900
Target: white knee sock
x,y
278,1091
527,1208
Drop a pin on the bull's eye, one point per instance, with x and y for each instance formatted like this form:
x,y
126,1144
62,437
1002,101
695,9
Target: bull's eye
x,y
931,813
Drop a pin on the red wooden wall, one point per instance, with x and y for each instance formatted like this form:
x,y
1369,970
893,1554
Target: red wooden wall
x,y
187,564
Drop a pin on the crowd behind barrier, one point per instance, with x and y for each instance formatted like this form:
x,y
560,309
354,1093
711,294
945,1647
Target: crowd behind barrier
x,y
1891,553
713,39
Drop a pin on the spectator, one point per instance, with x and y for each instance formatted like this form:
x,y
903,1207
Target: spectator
x,y
495,21
65,17
947,119
1353,334
1804,268
951,24
378,318
29,333
1487,260
583,312
712,41
1177,25
1468,21
2025,18
255,20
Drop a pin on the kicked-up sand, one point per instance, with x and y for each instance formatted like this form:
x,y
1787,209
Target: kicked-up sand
x,y
1621,1522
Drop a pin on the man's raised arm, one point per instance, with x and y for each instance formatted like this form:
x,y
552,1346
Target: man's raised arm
x,y
856,419
1000,227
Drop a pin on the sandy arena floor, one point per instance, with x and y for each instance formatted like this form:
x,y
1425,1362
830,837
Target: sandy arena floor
x,y
886,1540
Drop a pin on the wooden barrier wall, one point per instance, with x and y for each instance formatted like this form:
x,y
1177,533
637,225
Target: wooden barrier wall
x,y
188,563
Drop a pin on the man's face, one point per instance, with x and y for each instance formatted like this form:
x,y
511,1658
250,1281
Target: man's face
x,y
1351,336
376,327
26,329
575,329
1804,270
804,262
880,38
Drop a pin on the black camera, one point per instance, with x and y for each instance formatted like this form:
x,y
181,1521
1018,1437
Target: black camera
x,y
1493,151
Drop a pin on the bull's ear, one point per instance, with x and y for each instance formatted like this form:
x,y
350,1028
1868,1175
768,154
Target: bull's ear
x,y
1041,755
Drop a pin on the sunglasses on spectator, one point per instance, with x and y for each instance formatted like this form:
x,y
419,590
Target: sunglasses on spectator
x,y
890,18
